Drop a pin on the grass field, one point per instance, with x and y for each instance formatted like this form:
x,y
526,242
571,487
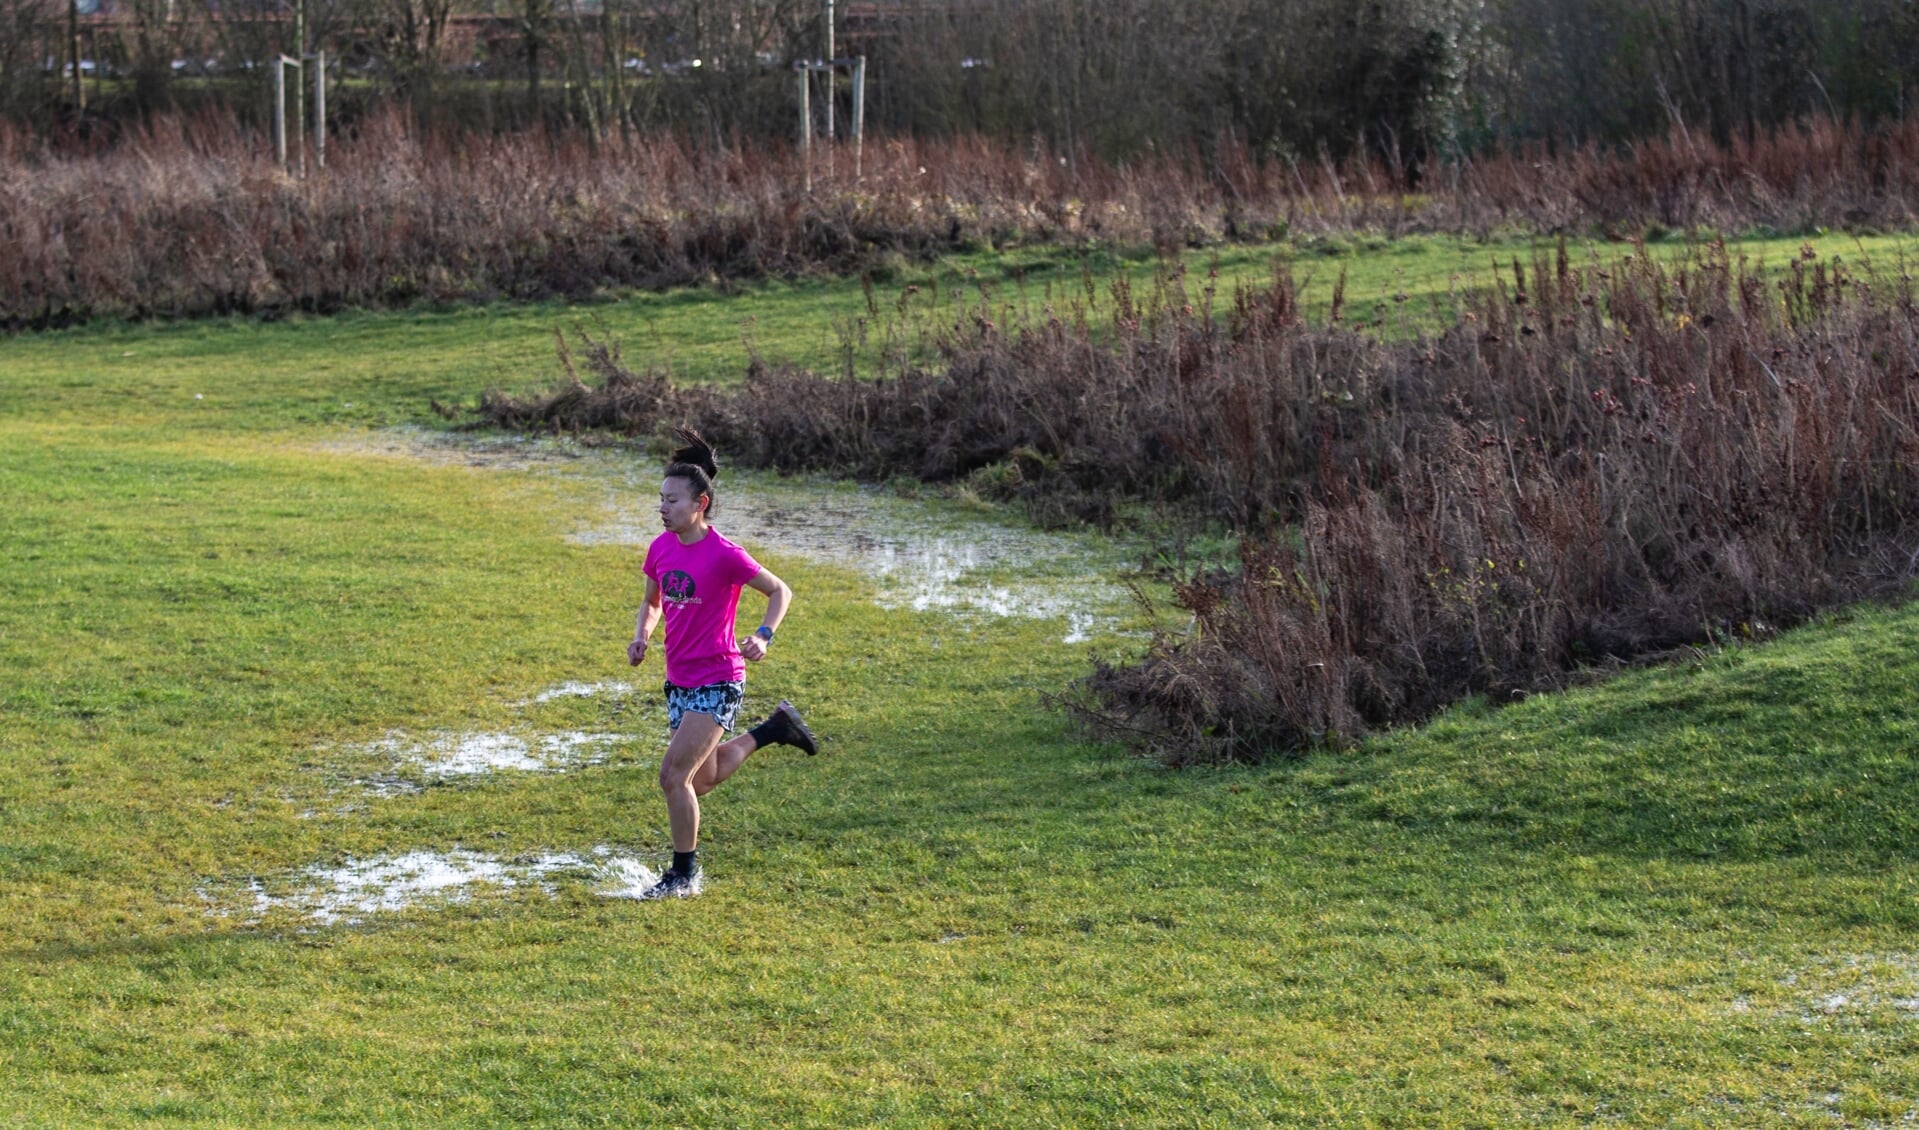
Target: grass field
x,y
1685,897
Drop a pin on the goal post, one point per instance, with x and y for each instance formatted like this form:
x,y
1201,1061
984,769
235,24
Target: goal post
x,y
318,125
806,70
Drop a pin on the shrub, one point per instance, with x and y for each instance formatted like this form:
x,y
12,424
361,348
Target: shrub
x,y
1590,472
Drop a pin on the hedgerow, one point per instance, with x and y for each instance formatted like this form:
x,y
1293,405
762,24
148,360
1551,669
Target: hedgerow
x,y
190,217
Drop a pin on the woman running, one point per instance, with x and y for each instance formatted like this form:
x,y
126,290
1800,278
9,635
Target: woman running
x,y
693,581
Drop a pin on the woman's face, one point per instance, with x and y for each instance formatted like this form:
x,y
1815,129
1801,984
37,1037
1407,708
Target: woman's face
x,y
680,508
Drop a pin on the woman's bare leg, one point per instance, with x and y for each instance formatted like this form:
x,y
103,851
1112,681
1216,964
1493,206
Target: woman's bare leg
x,y
690,750
729,756
726,761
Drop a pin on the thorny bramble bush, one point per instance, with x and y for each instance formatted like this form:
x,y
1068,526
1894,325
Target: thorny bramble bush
x,y
189,217
1596,465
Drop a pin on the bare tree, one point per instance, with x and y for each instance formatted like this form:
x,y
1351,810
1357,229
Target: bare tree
x,y
152,34
535,20
408,37
30,34
728,61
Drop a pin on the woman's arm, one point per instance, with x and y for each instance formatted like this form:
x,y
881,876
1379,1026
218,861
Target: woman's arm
x,y
648,619
778,598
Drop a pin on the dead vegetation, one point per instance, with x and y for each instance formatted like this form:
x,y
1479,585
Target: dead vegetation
x,y
188,217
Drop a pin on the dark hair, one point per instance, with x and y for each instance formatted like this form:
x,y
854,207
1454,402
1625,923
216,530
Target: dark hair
x,y
696,463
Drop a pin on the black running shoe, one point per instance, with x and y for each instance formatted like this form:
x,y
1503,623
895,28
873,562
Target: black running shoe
x,y
792,728
673,885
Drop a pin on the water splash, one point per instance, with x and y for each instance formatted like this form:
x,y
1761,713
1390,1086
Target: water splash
x,y
627,879
631,879
1079,628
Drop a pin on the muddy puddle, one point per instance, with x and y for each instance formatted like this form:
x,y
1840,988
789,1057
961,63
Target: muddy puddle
x,y
444,754
928,556
581,690
1856,989
404,764
351,892
924,554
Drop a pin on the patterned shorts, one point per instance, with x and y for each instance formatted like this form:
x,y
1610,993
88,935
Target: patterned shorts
x,y
721,700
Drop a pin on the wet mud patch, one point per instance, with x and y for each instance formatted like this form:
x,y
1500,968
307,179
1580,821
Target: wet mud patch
x,y
404,764
564,728
1855,991
443,755
926,554
461,449
921,555
609,690
355,890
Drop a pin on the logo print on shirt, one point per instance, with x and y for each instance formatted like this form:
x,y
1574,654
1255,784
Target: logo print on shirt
x,y
677,586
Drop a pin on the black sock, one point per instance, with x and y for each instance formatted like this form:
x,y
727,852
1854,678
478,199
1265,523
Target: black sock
x,y
684,862
770,732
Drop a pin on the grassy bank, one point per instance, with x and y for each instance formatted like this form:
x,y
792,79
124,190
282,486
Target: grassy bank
x,y
1684,898
374,368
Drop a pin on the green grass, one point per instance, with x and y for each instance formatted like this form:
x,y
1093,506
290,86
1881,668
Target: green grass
x,y
1684,897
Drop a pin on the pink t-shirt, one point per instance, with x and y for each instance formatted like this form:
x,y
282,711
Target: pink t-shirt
x,y
700,592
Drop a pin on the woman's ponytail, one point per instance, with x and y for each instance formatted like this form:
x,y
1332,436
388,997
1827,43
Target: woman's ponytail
x,y
695,462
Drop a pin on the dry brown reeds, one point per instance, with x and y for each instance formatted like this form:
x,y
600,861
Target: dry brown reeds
x,y
188,216
1590,471
1819,173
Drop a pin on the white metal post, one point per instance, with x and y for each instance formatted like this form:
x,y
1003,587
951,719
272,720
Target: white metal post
x,y
280,66
806,122
859,115
280,111
300,88
831,71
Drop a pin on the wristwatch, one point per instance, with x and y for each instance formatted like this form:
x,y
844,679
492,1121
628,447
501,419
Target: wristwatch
x,y
764,633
